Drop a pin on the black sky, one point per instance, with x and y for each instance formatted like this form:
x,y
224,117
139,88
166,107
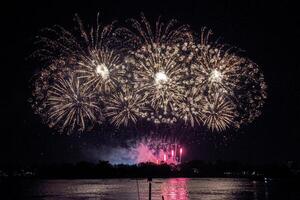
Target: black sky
x,y
267,31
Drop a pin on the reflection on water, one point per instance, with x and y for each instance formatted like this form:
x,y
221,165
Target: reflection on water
x,y
175,189
167,189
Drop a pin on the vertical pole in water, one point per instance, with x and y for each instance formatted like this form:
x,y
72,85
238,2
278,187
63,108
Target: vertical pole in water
x,y
149,190
149,180
138,189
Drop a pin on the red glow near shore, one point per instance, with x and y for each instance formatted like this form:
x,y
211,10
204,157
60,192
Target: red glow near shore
x,y
169,154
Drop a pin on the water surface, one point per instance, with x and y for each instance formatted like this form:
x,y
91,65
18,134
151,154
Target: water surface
x,y
169,189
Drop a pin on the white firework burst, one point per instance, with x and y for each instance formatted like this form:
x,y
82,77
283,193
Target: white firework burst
x,y
69,106
102,70
124,107
218,113
159,74
222,72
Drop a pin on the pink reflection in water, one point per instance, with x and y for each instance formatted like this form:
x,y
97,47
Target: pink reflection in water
x,y
175,189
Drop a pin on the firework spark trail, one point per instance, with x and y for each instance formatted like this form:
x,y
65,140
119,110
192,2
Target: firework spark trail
x,y
191,109
142,33
101,70
218,112
124,107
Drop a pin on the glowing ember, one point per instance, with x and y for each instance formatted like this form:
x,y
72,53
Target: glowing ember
x,y
102,71
161,78
215,76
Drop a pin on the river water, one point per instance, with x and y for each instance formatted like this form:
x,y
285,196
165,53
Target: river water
x,y
167,189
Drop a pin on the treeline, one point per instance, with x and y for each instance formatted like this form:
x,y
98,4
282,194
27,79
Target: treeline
x,y
103,169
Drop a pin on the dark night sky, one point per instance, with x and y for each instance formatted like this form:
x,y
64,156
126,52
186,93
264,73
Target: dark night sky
x,y
268,32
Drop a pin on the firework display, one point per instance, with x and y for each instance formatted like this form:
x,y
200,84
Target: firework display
x,y
233,87
158,150
219,113
143,74
124,106
68,105
160,73
91,53
142,33
101,70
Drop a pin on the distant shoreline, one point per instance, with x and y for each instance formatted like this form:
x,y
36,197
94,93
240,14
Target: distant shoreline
x,y
192,169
